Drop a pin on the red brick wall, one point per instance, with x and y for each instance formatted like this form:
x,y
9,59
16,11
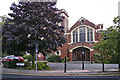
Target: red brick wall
x,y
65,50
70,56
40,58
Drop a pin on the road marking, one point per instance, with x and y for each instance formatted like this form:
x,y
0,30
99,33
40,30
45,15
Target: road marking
x,y
65,74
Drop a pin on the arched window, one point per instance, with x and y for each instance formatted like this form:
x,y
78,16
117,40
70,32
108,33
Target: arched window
x,y
75,36
82,34
76,32
91,31
89,34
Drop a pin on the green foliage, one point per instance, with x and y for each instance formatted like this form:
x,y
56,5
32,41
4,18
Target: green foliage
x,y
3,18
28,57
106,62
27,63
29,67
54,58
42,66
5,64
11,64
67,59
97,57
5,54
109,45
114,59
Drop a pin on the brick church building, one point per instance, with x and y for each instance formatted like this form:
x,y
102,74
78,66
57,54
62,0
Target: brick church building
x,y
80,38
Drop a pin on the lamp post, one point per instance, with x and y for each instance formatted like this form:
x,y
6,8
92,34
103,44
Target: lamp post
x,y
65,66
82,21
36,55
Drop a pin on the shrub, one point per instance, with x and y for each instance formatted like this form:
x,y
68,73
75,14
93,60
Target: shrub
x,y
41,66
97,57
28,57
27,63
67,59
106,62
11,64
53,58
114,59
6,64
29,67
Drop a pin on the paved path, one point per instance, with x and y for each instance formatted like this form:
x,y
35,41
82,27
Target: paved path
x,y
90,67
72,69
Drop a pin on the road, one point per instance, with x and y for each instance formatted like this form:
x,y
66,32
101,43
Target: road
x,y
32,77
11,74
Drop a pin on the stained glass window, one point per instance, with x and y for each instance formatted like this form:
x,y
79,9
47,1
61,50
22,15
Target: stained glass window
x,y
76,35
82,33
89,34
73,36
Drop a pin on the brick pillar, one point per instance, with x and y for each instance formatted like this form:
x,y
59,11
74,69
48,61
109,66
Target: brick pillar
x,y
70,56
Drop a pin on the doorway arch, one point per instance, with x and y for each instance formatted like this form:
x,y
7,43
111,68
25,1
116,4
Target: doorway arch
x,y
77,54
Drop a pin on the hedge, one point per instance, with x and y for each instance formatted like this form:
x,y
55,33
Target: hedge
x,y
41,66
54,58
11,64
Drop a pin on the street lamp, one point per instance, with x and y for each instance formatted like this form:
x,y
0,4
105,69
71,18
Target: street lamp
x,y
82,21
36,55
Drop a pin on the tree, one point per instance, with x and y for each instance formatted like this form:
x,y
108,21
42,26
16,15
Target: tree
x,y
34,23
2,21
117,22
109,45
14,38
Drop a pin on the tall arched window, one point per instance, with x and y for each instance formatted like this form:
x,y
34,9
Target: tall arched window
x,y
73,36
82,34
76,32
91,31
89,34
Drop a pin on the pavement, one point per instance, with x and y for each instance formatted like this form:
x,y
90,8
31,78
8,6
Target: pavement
x,y
60,72
72,70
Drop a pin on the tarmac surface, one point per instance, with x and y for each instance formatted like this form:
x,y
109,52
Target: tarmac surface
x,y
72,70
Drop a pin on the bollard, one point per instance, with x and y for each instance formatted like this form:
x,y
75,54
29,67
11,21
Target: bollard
x,y
102,67
65,66
83,66
92,60
82,60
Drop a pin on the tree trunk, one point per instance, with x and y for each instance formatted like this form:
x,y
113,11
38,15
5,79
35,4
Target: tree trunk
x,y
33,59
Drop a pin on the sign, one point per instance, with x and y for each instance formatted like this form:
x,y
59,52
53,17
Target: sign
x,y
20,64
39,55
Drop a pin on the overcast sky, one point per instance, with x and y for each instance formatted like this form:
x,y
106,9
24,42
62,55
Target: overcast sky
x,y
96,11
